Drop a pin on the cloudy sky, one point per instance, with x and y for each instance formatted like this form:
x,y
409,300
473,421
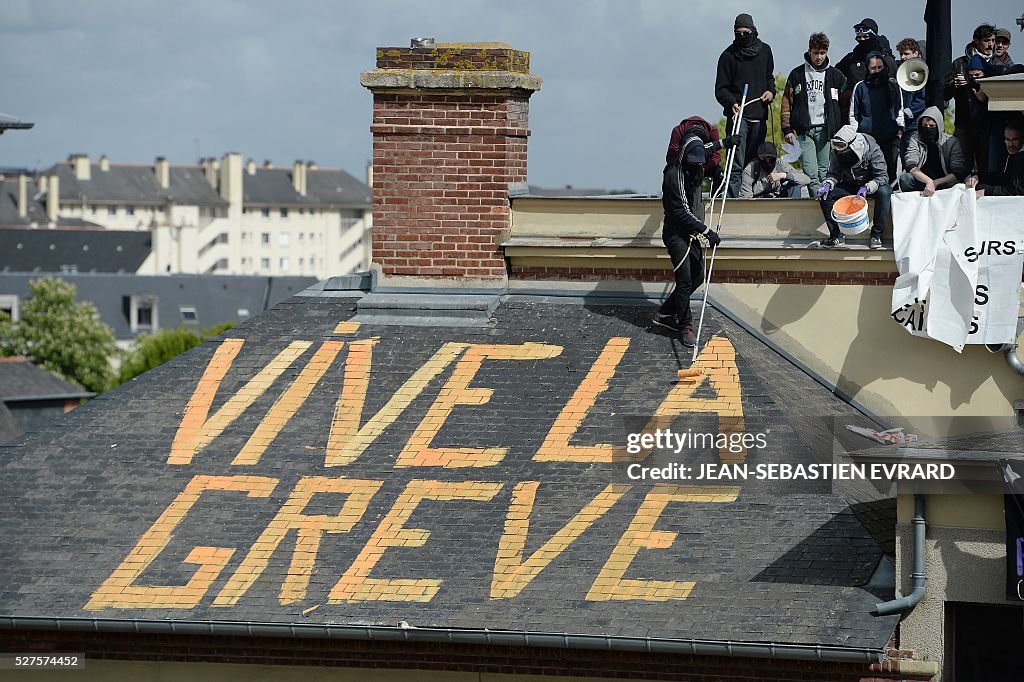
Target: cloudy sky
x,y
136,79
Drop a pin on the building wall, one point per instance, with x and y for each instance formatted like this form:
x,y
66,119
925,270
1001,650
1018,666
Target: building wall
x,y
845,334
965,553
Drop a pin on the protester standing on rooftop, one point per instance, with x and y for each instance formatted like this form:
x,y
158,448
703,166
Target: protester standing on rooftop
x,y
913,101
960,87
876,108
811,110
747,61
855,64
684,232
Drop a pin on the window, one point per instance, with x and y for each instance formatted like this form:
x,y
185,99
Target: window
x,y
349,219
284,263
142,313
282,239
129,210
311,237
985,642
9,305
264,263
284,212
302,236
302,263
265,238
265,212
188,314
111,210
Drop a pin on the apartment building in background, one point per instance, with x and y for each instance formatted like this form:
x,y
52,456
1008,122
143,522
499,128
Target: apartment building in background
x,y
221,216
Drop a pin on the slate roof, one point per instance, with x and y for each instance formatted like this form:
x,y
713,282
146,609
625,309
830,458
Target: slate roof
x,y
89,500
21,380
35,212
137,184
84,250
335,187
216,298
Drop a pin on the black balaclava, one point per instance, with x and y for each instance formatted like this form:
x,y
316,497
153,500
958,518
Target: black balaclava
x,y
928,135
745,21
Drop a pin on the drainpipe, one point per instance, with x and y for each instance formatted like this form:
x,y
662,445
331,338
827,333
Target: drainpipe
x,y
1009,350
918,577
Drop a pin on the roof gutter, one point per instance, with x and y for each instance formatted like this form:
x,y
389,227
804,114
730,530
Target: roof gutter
x,y
918,576
379,633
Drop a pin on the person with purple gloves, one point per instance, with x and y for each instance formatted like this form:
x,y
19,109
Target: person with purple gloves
x,y
856,166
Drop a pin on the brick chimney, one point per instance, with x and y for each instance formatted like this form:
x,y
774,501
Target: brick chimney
x,y
163,172
80,164
450,125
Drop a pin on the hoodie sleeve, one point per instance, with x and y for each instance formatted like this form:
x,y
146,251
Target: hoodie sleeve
x,y
747,183
769,85
724,78
912,156
877,170
854,109
673,200
786,109
957,164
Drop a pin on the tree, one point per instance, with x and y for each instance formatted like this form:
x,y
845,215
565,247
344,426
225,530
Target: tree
x,y
154,350
62,336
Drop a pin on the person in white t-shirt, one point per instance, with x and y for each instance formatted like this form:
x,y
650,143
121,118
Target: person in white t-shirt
x,y
811,109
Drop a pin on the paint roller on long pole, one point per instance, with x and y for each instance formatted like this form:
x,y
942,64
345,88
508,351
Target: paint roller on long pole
x,y
694,371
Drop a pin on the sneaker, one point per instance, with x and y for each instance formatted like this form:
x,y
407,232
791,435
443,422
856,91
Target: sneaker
x,y
666,322
876,243
832,242
687,336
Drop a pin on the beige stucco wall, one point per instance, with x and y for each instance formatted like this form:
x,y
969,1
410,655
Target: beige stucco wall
x,y
845,333
964,562
126,671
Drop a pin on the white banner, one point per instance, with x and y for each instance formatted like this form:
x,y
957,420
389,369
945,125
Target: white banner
x,y
960,261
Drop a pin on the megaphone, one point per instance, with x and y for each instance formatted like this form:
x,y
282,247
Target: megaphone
x,y
912,74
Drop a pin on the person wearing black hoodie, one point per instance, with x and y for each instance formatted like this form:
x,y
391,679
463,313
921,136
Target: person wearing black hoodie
x,y
810,108
747,61
855,64
684,232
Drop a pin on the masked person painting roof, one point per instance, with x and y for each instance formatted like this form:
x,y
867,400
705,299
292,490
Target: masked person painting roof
x,y
684,232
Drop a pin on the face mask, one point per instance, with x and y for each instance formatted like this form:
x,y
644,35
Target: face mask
x,y
848,159
929,134
767,166
875,78
744,39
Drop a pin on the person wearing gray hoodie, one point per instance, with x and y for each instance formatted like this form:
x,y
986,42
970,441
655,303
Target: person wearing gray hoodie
x,y
856,166
933,160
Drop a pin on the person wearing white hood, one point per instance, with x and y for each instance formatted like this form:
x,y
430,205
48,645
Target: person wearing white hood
x,y
856,166
933,160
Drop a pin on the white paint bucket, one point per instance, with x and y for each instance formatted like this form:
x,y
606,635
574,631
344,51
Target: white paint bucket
x,y
851,215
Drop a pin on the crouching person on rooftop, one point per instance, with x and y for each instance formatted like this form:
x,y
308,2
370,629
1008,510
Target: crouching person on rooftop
x,y
933,160
769,177
684,232
856,166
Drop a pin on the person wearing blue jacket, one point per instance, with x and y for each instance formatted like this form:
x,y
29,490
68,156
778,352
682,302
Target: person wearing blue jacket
x,y
876,109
